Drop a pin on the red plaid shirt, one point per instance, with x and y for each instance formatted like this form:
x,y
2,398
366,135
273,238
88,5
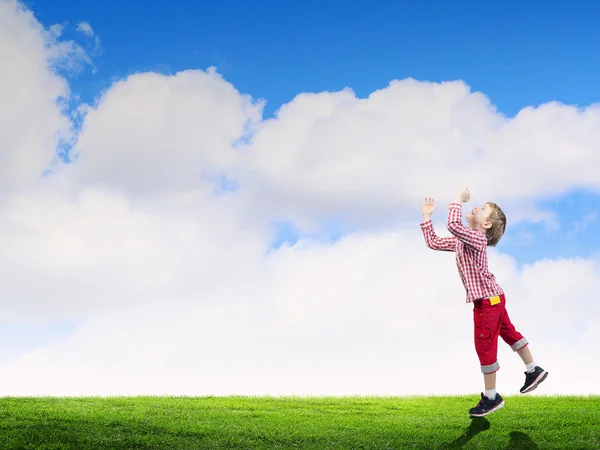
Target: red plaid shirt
x,y
470,247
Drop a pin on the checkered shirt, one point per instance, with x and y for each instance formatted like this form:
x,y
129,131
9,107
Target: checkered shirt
x,y
470,247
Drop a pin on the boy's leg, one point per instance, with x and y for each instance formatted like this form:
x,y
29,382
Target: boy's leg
x,y
534,374
489,380
511,336
486,320
525,355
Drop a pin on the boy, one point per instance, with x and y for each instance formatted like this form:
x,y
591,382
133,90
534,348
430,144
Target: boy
x,y
486,227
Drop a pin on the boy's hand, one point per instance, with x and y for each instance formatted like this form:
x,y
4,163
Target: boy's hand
x,y
463,196
427,207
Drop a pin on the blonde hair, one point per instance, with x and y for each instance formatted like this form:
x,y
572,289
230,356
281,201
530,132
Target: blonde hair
x,y
498,220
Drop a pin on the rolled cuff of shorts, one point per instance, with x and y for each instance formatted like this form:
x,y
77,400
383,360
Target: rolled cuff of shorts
x,y
491,368
519,344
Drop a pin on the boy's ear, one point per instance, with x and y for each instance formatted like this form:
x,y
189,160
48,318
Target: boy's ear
x,y
487,225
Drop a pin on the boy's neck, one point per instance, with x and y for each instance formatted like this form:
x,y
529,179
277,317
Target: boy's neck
x,y
479,228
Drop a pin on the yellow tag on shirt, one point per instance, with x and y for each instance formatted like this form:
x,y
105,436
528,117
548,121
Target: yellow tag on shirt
x,y
494,300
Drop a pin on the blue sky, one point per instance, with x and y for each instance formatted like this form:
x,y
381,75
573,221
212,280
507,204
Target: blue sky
x,y
573,234
517,53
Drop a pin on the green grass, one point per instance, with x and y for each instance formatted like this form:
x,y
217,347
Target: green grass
x,y
297,423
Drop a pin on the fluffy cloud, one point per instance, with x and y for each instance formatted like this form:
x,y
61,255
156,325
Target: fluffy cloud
x,y
170,282
67,258
352,317
367,160
31,120
153,134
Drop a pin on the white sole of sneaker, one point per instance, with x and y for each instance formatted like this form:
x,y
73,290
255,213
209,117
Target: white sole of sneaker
x,y
541,377
495,408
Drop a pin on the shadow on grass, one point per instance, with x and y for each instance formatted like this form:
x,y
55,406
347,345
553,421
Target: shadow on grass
x,y
478,424
520,441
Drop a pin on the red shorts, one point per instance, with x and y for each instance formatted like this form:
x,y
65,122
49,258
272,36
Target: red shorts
x,y
491,320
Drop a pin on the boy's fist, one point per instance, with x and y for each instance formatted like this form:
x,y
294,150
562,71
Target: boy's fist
x,y
464,195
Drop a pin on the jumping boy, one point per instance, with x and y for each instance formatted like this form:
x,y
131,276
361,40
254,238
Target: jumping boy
x,y
486,227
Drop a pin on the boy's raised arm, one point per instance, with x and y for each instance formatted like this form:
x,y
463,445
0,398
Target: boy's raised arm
x,y
467,236
433,241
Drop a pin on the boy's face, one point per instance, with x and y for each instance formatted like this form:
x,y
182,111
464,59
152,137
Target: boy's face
x,y
478,217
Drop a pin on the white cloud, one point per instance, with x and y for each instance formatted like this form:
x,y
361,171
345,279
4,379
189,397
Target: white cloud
x,y
352,317
73,256
85,28
31,122
67,57
151,133
173,288
367,160
57,30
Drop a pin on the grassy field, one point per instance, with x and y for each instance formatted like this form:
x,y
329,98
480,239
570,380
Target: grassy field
x,y
297,423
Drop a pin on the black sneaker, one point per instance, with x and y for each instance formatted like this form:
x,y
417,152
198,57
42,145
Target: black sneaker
x,y
533,379
486,406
